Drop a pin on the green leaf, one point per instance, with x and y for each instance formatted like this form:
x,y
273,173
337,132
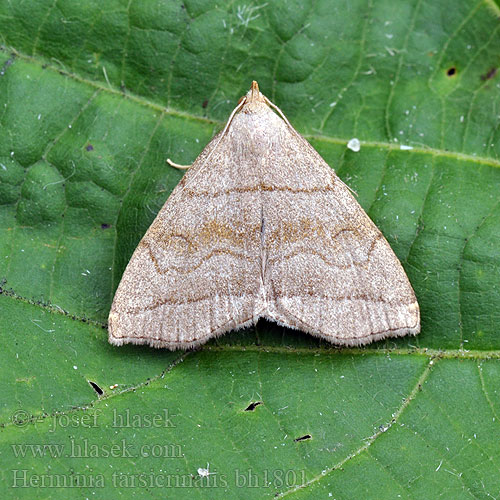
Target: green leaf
x,y
94,97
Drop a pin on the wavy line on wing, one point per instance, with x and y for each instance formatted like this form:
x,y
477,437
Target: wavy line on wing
x,y
361,297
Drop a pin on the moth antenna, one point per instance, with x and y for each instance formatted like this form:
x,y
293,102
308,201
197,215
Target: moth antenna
x,y
269,103
223,133
272,105
230,119
177,165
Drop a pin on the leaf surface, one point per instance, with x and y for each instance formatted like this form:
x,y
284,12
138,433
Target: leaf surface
x,y
95,97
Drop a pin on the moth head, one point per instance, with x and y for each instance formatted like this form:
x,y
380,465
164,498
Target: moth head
x,y
253,99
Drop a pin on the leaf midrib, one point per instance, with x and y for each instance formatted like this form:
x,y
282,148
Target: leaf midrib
x,y
422,351
197,118
371,439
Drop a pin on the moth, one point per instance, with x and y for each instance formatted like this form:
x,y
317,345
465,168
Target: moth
x,y
261,227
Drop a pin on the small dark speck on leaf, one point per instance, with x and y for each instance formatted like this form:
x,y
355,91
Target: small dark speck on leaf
x,y
96,388
105,225
305,437
6,64
205,104
491,74
90,147
252,406
451,71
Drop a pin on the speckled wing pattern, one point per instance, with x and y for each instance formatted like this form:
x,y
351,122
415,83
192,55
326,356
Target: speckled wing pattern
x,y
260,226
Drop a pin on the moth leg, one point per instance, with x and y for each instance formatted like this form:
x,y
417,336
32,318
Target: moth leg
x,y
176,165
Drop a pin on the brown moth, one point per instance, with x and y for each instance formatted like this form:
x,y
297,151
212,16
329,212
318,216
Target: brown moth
x,y
261,227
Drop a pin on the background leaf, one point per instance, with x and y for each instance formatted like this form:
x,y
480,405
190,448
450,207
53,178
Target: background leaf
x,y
95,97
